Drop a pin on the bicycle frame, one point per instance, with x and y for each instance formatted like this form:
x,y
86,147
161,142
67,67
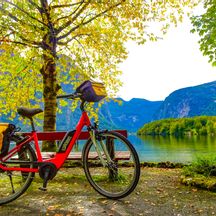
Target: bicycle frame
x,y
59,157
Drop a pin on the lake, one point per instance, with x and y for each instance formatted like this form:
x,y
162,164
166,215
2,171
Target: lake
x,y
170,148
174,149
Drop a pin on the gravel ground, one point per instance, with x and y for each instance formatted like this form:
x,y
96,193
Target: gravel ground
x,y
159,193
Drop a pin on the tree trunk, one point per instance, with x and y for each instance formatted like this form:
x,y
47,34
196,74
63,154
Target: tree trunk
x,y
50,85
50,104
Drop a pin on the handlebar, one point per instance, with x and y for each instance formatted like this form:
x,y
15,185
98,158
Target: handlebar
x,y
69,96
74,96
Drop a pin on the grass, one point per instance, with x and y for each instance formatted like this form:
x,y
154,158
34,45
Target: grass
x,y
201,173
119,179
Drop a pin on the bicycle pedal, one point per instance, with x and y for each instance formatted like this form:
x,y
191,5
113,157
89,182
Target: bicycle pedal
x,y
42,188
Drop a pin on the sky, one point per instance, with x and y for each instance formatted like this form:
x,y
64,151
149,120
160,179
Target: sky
x,y
154,70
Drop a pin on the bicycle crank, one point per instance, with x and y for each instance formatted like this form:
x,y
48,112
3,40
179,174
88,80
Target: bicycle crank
x,y
47,171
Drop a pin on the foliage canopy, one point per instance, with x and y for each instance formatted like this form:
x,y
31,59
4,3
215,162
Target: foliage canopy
x,y
47,43
205,26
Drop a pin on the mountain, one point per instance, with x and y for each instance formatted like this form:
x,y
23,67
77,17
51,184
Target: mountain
x,y
129,115
188,102
114,114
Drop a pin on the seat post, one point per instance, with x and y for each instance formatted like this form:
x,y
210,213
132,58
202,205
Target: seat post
x,y
32,124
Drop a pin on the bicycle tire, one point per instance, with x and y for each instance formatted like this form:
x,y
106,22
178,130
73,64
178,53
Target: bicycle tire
x,y
119,179
14,183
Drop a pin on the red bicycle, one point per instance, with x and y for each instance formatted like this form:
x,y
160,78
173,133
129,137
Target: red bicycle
x,y
110,174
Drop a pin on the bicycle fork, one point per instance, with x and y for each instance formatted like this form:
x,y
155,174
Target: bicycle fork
x,y
104,148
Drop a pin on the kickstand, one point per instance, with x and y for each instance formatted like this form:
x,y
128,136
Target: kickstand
x,y
45,180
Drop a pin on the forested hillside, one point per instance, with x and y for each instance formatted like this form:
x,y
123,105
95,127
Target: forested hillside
x,y
200,125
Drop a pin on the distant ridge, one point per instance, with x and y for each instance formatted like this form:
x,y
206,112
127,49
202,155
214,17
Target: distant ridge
x,y
188,102
130,115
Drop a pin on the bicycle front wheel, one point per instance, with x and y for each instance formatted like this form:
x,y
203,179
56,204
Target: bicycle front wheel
x,y
115,178
14,183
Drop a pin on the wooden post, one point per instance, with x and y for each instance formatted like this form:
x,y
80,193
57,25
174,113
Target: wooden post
x,y
113,172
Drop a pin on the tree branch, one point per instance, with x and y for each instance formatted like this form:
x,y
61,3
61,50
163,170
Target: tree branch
x,y
35,5
14,18
65,5
83,47
24,41
73,38
25,12
68,23
90,20
64,17
9,14
15,42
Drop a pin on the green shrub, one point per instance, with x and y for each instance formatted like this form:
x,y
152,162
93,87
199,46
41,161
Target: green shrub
x,y
203,165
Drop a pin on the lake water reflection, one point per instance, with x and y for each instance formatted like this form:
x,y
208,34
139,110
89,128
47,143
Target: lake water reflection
x,y
174,149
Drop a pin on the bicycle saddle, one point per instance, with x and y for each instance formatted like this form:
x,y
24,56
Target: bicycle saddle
x,y
27,112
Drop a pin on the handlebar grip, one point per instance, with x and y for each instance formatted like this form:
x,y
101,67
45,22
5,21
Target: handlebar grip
x,y
62,96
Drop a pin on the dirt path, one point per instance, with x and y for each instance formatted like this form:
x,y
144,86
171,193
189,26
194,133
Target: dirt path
x,y
158,193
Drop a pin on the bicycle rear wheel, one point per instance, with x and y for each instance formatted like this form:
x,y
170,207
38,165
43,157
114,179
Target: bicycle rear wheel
x,y
14,183
119,177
